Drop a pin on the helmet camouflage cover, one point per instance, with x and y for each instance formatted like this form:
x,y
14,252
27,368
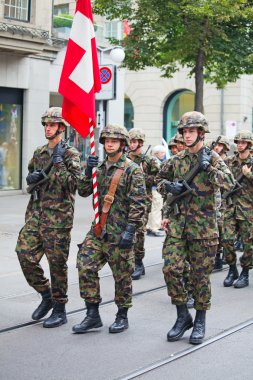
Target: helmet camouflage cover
x,y
193,119
243,136
172,142
137,134
114,131
178,138
224,141
53,115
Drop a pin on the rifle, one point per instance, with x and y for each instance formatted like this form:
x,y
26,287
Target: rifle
x,y
145,153
33,188
237,185
172,199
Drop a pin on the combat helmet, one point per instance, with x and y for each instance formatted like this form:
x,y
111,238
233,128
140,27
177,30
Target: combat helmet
x,y
178,138
137,134
193,119
53,115
172,143
114,131
244,136
224,141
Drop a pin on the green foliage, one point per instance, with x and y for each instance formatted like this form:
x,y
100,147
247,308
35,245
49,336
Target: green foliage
x,y
213,38
63,20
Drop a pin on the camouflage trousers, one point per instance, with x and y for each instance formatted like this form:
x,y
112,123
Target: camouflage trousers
x,y
232,228
200,254
139,250
93,254
33,242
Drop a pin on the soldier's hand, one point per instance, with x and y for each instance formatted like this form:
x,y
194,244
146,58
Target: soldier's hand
x,y
164,224
34,177
246,170
127,239
174,188
205,158
59,152
92,162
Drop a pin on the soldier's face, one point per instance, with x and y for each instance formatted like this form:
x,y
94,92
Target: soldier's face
x,y
242,145
218,148
133,144
51,129
190,135
112,145
174,150
180,146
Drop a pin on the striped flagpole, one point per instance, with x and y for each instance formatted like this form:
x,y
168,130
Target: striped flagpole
x,y
94,176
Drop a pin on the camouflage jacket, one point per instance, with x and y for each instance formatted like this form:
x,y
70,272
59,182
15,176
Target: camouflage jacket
x,y
55,206
150,169
242,201
197,211
129,199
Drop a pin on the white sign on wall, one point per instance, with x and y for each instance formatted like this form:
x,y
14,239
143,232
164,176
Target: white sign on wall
x,y
231,129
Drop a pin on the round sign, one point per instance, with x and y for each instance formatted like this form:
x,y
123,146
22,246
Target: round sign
x,y
105,74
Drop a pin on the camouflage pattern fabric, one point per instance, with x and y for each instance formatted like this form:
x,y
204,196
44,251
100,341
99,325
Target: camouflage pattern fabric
x,y
128,207
238,216
201,255
48,222
192,235
93,254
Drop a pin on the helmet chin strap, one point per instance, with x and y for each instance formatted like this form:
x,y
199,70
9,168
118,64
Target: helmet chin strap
x,y
58,132
113,154
195,142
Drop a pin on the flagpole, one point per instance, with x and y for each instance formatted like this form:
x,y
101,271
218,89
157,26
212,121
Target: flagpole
x,y
94,176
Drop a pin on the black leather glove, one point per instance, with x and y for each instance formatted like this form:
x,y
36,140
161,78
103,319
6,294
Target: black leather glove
x,y
59,152
174,188
205,158
92,162
34,177
127,239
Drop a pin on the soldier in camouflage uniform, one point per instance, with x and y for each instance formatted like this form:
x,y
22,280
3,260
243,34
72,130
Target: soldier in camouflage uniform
x,y
178,138
173,146
115,245
192,231
238,216
221,147
150,168
49,218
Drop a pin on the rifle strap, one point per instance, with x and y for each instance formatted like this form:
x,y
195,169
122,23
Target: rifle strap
x,y
109,199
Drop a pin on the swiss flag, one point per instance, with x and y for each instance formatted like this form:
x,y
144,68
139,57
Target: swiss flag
x,y
80,77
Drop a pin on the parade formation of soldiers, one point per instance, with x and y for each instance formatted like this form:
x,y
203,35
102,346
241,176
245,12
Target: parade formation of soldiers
x,y
207,205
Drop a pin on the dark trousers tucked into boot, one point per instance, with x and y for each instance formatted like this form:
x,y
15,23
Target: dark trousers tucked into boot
x,y
121,322
139,270
243,279
44,307
91,321
231,276
199,327
58,316
183,323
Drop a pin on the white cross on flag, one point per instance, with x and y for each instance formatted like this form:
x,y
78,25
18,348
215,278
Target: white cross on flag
x,y
80,78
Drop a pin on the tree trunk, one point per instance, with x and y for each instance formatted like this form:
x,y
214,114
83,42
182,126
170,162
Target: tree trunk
x,y
199,81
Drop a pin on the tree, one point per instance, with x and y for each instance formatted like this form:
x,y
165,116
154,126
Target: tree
x,y
213,38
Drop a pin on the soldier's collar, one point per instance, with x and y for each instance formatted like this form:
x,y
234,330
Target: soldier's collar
x,y
118,164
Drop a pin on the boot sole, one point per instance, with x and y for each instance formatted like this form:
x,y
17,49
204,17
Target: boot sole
x,y
59,324
91,328
196,341
175,338
240,287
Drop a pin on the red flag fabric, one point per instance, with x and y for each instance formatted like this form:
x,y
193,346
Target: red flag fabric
x,y
127,28
80,78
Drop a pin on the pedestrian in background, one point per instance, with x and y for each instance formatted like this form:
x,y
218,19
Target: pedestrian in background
x,y
49,218
192,232
121,197
149,168
155,216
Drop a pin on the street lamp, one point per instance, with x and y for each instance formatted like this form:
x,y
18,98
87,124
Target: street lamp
x,y
117,56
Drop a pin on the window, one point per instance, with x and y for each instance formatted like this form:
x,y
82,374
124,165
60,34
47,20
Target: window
x,y
114,29
61,9
17,9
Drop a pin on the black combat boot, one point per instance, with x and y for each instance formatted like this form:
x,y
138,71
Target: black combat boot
x,y
190,301
218,264
231,276
183,323
121,322
58,316
243,279
91,321
44,307
139,270
199,327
